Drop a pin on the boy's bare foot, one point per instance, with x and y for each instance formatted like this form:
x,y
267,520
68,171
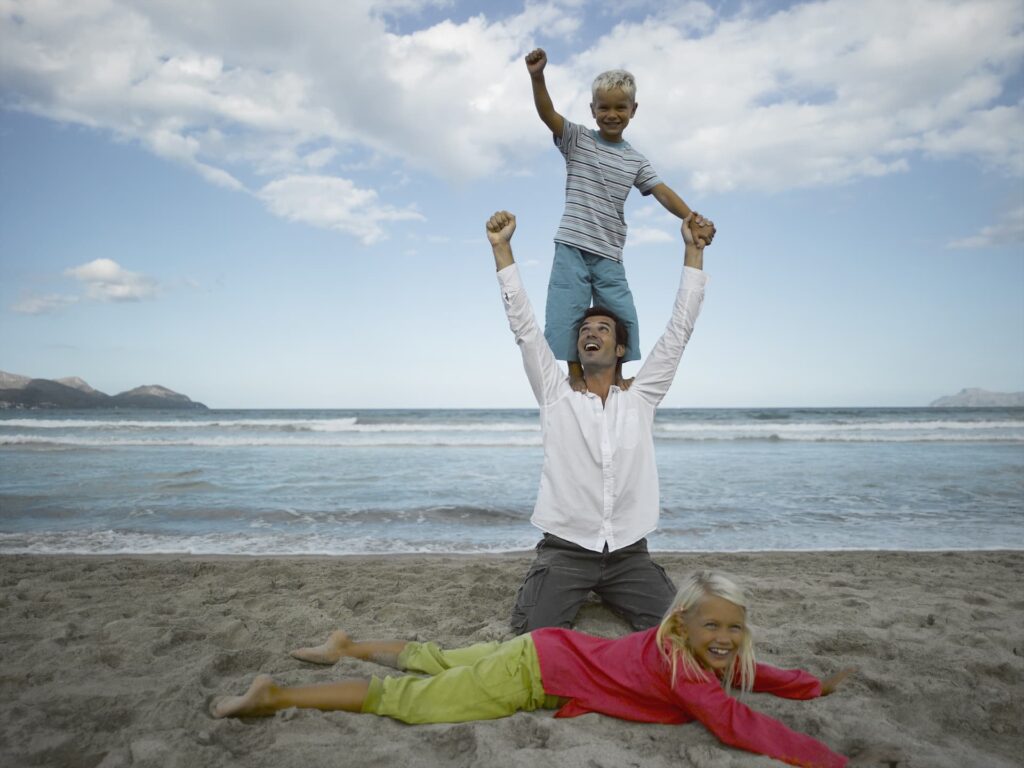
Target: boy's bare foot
x,y
325,653
257,701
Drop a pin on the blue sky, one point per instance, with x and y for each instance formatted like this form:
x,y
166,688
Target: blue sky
x,y
265,207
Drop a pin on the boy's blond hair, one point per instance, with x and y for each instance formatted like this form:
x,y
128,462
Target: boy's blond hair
x,y
673,646
615,78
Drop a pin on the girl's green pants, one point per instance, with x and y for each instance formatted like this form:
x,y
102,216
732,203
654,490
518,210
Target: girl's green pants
x,y
480,682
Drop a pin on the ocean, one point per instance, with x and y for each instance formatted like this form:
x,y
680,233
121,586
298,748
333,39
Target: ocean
x,y
312,482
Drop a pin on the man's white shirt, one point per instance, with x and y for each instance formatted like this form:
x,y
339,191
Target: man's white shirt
x,y
599,483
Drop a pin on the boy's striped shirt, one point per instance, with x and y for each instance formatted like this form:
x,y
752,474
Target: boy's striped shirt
x,y
599,176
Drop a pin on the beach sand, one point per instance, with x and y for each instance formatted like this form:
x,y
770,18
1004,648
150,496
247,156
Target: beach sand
x,y
113,661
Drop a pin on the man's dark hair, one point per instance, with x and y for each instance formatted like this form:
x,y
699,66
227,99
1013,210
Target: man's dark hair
x,y
621,331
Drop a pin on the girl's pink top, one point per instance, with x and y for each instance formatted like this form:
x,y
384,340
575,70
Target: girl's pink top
x,y
628,678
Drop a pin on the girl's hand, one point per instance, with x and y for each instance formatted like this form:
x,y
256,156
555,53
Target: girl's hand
x,y
829,684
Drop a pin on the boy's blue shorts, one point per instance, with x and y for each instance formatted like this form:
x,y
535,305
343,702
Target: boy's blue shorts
x,y
577,277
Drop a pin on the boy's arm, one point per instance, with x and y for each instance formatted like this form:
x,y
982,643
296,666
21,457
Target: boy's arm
x,y
536,60
674,204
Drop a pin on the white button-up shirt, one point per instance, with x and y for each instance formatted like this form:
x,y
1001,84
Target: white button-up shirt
x,y
599,483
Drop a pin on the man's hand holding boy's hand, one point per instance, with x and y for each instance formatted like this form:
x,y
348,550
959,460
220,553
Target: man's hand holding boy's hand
x,y
536,60
703,232
697,230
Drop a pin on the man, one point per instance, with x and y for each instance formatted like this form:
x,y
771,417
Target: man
x,y
598,496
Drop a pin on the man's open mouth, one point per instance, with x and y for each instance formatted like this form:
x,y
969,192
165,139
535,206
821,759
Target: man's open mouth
x,y
590,347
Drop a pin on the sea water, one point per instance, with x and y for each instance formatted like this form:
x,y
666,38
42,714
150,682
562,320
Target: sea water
x,y
387,481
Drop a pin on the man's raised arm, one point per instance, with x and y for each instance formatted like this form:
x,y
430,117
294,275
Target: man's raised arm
x,y
656,374
546,378
499,232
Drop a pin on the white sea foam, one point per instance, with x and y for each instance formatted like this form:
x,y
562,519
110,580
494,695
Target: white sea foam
x,y
836,426
480,439
110,542
864,431
313,425
378,440
341,423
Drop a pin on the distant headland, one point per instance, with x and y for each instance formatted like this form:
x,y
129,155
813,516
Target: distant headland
x,y
25,392
980,398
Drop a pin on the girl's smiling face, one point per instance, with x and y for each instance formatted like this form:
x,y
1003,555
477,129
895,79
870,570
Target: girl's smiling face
x,y
714,630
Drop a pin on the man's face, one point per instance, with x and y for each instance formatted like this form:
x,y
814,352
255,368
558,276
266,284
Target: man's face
x,y
596,342
612,109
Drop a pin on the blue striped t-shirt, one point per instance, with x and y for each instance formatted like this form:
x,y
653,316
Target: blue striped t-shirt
x,y
598,177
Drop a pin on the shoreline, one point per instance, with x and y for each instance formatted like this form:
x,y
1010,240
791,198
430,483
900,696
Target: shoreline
x,y
497,553
112,660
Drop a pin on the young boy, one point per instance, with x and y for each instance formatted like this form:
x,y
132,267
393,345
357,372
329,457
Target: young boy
x,y
601,168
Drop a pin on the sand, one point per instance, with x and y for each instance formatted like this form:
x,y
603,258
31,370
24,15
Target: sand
x,y
112,661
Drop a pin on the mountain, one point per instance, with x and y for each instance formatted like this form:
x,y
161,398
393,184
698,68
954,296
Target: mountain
x,y
12,380
76,383
980,398
153,396
72,392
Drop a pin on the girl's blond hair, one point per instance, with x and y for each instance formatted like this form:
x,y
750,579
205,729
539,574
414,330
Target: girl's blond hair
x,y
673,645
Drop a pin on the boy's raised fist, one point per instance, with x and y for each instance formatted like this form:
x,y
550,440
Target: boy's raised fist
x,y
536,60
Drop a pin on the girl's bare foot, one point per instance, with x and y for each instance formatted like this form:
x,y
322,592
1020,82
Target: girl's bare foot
x,y
325,653
258,700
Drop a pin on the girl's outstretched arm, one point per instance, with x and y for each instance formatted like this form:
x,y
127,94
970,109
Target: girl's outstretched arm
x,y
794,683
736,724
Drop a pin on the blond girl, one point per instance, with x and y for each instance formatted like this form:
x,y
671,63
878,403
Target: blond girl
x,y
685,669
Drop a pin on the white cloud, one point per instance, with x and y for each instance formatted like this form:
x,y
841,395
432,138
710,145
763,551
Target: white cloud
x,y
993,135
334,203
40,305
256,96
1009,231
102,280
106,280
647,235
822,93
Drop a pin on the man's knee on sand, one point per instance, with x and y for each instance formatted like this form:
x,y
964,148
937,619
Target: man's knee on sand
x,y
563,575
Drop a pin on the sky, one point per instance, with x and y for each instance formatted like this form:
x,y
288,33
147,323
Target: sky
x,y
282,205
